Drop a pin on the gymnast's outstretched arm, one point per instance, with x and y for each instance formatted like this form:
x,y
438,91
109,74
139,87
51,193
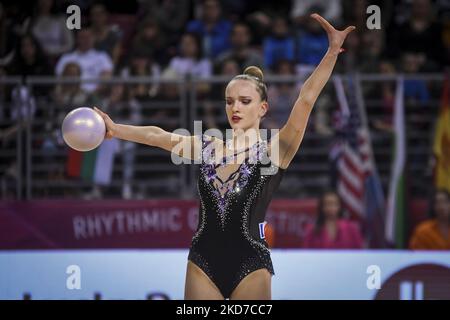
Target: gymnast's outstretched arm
x,y
185,146
291,134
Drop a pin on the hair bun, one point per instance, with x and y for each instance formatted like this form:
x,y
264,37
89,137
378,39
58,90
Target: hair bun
x,y
255,72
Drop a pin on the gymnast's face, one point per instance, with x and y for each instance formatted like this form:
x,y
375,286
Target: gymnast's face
x,y
242,100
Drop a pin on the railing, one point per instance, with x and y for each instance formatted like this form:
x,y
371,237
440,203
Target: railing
x,y
33,159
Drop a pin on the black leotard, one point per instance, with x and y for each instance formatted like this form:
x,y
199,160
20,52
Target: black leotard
x,y
228,243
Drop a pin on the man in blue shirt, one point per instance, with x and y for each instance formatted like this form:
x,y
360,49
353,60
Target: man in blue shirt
x,y
214,30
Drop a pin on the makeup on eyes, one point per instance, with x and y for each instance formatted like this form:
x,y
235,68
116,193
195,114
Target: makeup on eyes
x,y
243,99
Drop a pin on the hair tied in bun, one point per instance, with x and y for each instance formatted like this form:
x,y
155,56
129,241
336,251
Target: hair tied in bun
x,y
254,72
255,75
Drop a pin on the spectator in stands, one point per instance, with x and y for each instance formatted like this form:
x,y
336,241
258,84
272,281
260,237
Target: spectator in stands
x,y
22,107
416,97
371,53
93,63
151,41
229,68
434,233
279,45
189,62
50,30
167,112
281,96
240,50
312,43
331,10
420,34
416,90
122,103
171,16
387,92
170,90
70,94
10,31
141,65
214,30
331,230
371,59
107,37
29,59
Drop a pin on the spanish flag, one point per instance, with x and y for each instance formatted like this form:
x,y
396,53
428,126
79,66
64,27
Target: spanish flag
x,y
441,146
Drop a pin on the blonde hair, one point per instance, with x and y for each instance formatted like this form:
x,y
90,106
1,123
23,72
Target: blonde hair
x,y
255,75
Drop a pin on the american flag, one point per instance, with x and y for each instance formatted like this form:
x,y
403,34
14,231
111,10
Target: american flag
x,y
357,181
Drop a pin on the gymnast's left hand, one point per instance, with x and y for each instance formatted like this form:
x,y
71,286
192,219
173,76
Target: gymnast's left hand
x,y
335,37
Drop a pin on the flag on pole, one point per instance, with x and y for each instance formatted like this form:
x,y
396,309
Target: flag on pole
x,y
357,179
396,207
95,165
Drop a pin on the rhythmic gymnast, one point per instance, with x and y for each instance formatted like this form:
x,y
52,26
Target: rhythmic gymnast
x,y
228,257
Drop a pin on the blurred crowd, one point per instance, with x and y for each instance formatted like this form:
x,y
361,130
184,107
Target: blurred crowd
x,y
168,38
333,230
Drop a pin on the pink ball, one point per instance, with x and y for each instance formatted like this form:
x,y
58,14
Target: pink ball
x,y
83,129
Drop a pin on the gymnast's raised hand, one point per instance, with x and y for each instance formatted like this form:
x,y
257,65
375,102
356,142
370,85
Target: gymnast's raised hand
x,y
291,134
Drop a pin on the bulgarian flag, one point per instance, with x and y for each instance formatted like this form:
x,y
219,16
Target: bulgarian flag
x,y
95,165
81,164
395,229
441,145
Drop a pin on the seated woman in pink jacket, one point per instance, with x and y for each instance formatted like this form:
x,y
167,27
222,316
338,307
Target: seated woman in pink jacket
x,y
331,230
